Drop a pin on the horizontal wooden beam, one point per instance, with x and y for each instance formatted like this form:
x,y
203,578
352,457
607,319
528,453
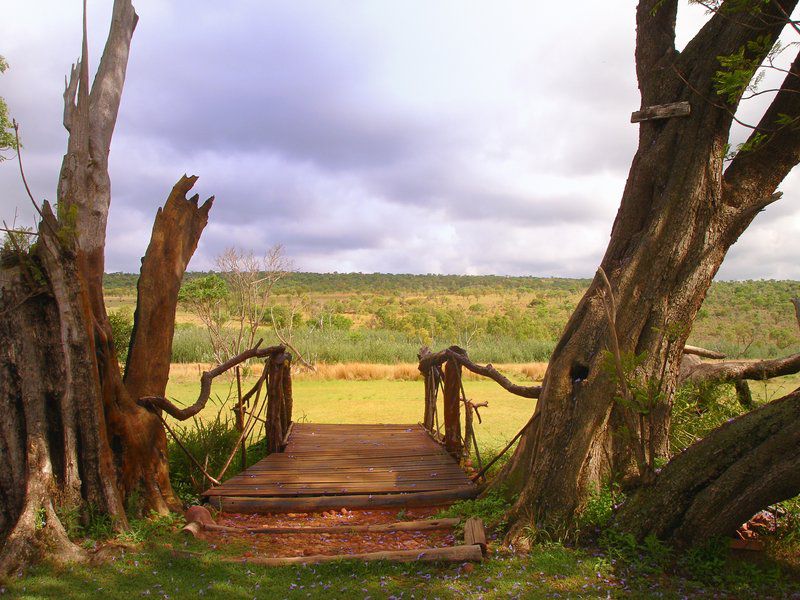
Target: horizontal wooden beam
x,y
662,111
244,504
456,554
423,525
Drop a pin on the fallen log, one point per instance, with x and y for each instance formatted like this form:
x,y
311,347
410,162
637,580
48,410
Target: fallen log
x,y
373,528
475,534
456,554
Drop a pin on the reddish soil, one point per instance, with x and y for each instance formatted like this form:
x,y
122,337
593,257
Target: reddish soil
x,y
306,544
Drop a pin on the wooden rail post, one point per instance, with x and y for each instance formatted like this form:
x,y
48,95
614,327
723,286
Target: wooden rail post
x,y
452,408
274,430
240,416
288,401
431,384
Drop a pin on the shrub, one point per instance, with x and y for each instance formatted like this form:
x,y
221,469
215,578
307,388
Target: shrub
x,y
121,329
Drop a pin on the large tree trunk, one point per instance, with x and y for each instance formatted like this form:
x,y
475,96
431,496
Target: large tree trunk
x,y
717,484
679,214
55,448
73,434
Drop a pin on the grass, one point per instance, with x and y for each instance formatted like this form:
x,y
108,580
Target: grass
x,y
164,565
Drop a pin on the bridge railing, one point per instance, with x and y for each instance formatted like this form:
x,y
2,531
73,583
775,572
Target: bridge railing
x,y
442,373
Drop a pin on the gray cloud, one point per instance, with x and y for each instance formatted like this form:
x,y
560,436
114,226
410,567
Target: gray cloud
x,y
407,137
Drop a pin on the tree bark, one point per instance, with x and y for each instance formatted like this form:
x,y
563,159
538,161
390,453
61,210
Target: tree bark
x,y
54,446
679,214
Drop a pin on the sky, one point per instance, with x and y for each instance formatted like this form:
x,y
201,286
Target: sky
x,y
457,137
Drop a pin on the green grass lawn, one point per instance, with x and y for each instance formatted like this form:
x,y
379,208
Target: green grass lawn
x,y
379,401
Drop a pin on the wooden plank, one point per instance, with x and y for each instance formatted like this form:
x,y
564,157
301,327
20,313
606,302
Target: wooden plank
x,y
475,534
327,490
244,504
354,468
347,478
456,554
425,525
662,111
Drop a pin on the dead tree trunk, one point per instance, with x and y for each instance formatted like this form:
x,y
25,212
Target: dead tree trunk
x,y
679,214
73,434
176,232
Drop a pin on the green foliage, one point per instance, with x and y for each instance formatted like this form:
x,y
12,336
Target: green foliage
x,y
698,409
706,562
498,319
211,288
210,441
16,246
190,344
154,526
98,525
7,137
648,557
600,507
789,528
739,71
121,329
491,509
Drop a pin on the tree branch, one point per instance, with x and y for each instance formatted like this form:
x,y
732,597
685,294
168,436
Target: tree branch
x,y
429,360
655,40
736,370
704,352
159,402
756,173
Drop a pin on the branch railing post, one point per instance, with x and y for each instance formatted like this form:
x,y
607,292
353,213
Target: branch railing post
x,y
431,391
452,407
240,416
279,400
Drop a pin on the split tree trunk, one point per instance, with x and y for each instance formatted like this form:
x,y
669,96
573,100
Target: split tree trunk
x,y
73,434
678,216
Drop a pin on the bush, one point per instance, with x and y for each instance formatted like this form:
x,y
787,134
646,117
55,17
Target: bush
x,y
121,329
210,442
491,509
191,344
699,409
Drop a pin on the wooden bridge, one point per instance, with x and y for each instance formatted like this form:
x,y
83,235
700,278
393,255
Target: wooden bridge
x,y
313,467
325,466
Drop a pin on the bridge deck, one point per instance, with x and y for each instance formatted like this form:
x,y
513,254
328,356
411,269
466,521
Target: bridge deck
x,y
354,466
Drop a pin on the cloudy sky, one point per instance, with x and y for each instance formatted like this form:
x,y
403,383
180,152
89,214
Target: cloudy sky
x,y
407,137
